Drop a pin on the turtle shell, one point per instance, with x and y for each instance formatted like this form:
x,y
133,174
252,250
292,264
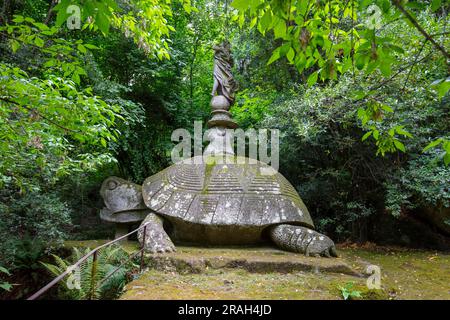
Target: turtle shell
x,y
231,191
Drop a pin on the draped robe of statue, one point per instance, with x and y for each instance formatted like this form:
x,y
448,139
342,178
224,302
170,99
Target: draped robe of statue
x,y
224,83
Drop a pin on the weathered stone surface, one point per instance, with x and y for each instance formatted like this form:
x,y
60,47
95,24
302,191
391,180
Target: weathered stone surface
x,y
406,274
224,194
302,240
124,216
256,259
123,201
221,139
223,200
224,83
156,239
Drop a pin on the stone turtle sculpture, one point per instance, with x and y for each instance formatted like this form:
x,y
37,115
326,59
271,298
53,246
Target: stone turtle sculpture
x,y
216,198
225,200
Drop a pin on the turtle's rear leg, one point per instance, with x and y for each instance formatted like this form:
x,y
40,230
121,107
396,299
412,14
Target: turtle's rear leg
x,y
156,239
302,240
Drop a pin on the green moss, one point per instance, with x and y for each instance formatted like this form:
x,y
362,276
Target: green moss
x,y
227,284
209,165
406,274
128,246
374,294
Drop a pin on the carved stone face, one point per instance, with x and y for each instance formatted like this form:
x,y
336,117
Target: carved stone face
x,y
123,200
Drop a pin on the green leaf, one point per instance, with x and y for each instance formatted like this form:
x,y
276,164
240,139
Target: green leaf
x,y
361,61
39,42
290,55
385,5
6,286
442,86
358,94
376,134
391,132
312,79
50,63
400,146
435,5
4,270
432,144
266,20
366,136
187,8
241,20
62,15
396,48
102,21
41,26
241,5
81,48
15,45
275,56
403,132
18,19
91,46
76,78
447,159
385,68
386,108
280,29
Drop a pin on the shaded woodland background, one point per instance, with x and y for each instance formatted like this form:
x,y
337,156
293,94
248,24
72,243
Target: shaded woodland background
x,y
94,104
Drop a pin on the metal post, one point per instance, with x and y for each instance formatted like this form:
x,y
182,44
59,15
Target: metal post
x,y
93,274
143,248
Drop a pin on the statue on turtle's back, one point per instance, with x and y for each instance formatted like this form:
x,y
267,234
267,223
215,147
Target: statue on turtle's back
x,y
224,83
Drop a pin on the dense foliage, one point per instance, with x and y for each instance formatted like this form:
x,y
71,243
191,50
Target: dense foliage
x,y
360,96
112,268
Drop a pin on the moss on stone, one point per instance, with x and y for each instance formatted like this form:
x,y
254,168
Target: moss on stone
x,y
252,259
128,246
203,273
406,274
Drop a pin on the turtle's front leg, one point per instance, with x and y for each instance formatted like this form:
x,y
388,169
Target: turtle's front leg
x,y
302,240
156,239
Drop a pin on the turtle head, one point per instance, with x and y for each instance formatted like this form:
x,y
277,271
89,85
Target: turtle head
x,y
123,200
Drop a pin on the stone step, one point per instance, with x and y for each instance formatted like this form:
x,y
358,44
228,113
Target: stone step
x,y
252,259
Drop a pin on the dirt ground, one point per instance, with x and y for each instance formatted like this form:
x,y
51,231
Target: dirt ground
x,y
405,274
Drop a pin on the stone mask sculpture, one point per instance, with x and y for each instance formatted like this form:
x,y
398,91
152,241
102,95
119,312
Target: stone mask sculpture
x,y
217,199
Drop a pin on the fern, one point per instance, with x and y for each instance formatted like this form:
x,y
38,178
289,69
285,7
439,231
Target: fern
x,y
4,284
108,259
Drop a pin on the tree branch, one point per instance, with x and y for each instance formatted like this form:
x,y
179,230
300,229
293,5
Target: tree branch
x,y
7,100
50,12
416,61
421,30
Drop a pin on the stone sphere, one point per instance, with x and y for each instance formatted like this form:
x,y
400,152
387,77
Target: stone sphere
x,y
220,103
